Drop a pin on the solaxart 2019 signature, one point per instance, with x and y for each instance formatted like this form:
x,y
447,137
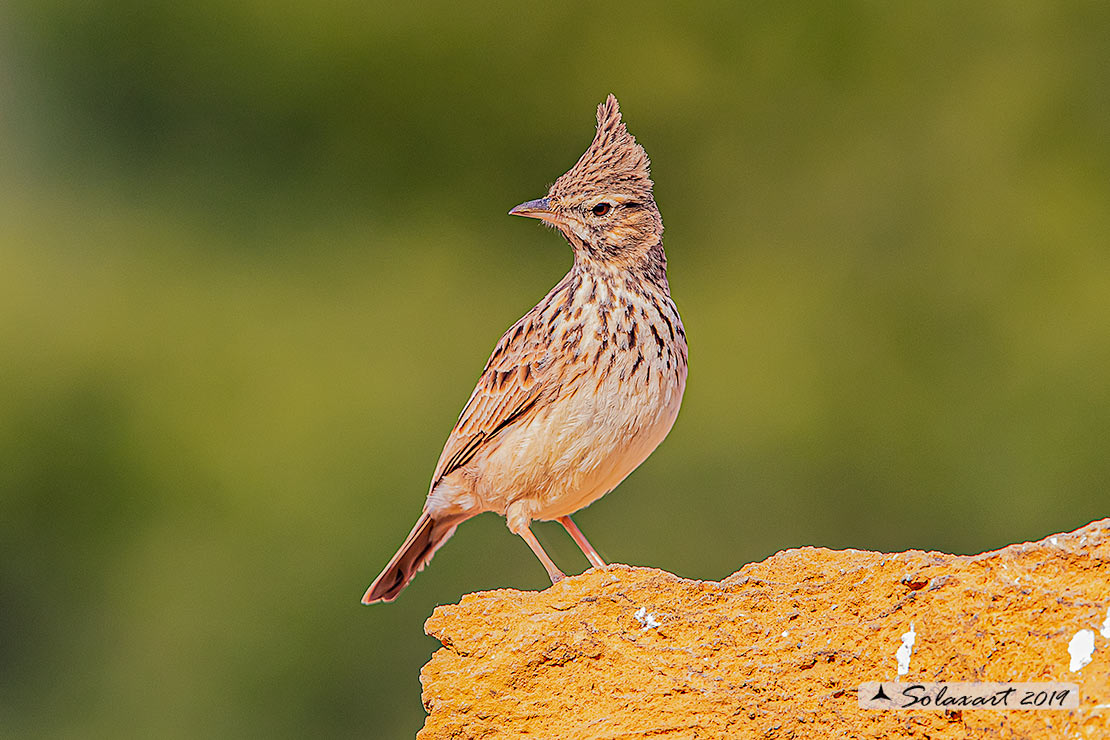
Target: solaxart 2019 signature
x,y
958,695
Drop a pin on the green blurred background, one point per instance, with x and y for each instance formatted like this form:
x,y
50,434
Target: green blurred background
x,y
253,257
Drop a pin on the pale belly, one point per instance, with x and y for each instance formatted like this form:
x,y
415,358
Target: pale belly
x,y
572,453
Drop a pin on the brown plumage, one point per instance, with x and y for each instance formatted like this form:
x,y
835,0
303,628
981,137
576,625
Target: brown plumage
x,y
580,390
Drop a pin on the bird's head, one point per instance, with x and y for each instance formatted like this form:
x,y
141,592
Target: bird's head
x,y
604,204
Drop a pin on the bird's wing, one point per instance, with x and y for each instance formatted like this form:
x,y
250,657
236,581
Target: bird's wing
x,y
517,379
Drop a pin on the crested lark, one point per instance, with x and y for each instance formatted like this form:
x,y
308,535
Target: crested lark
x,y
583,388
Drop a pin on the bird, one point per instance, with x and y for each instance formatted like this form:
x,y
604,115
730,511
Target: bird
x,y
582,388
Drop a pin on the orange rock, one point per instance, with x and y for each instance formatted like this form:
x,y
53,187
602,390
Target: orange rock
x,y
778,648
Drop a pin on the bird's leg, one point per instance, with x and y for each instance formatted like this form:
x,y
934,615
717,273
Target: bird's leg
x,y
552,569
587,548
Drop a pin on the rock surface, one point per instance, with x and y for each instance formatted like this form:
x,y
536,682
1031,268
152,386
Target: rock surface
x,y
777,649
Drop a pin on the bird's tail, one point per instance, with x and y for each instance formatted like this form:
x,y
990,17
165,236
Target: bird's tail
x,y
426,537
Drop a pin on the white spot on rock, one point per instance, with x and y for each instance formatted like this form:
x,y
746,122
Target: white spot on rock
x,y
905,651
1081,647
647,619
1105,631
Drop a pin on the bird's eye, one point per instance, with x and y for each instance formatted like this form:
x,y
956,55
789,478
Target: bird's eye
x,y
601,209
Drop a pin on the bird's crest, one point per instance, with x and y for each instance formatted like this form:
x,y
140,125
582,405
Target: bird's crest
x,y
614,160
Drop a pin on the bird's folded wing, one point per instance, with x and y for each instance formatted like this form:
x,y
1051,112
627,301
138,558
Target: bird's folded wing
x,y
514,382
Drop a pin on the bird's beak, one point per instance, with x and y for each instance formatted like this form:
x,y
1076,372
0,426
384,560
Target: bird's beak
x,y
540,209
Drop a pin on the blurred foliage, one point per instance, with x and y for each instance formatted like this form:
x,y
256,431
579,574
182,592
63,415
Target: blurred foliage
x,y
252,258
